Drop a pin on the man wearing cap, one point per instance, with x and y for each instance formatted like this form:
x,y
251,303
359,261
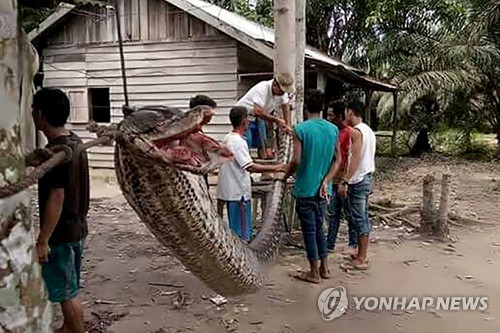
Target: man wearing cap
x,y
260,100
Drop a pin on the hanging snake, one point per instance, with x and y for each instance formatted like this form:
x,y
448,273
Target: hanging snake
x,y
160,158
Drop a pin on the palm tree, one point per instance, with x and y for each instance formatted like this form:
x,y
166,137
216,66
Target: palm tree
x,y
444,62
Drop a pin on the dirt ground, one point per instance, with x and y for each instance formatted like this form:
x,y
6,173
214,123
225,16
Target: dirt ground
x,y
123,260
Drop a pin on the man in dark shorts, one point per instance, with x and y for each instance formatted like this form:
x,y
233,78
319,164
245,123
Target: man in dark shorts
x,y
63,198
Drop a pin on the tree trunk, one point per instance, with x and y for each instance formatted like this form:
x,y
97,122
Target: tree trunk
x,y
441,230
23,305
300,35
498,140
428,212
422,143
284,40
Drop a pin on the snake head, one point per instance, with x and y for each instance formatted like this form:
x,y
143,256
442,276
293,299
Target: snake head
x,y
175,137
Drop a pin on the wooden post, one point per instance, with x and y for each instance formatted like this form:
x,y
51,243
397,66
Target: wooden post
x,y
284,36
120,49
441,230
428,211
300,35
394,125
368,107
23,304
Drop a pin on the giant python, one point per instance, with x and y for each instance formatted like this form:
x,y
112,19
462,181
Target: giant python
x,y
160,155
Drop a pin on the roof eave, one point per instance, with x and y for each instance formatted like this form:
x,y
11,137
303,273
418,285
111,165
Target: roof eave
x,y
62,10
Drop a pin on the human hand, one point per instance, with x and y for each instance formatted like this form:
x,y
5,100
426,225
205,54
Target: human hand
x,y
323,191
279,176
283,126
342,190
42,250
283,167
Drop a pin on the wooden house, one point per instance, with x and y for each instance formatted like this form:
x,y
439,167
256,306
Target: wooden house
x,y
173,50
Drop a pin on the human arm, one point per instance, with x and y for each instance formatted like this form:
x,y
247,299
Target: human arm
x,y
285,108
259,112
296,157
353,164
51,216
260,168
334,167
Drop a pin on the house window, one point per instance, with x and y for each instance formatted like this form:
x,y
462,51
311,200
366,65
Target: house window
x,y
100,108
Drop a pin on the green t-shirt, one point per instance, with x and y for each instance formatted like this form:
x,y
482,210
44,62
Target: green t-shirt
x,y
319,138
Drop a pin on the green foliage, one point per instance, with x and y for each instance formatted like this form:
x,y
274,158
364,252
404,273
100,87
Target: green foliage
x,y
33,12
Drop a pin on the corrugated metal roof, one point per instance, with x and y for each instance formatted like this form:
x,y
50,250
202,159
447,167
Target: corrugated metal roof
x,y
219,17
258,31
250,33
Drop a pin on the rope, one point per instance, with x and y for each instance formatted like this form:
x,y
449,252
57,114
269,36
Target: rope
x,y
60,154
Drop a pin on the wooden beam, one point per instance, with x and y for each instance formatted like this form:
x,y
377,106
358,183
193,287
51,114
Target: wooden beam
x,y
300,36
368,106
61,11
394,125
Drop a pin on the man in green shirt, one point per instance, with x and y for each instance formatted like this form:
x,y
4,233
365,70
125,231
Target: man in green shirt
x,y
315,153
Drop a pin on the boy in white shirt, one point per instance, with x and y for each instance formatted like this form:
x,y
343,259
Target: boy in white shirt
x,y
234,184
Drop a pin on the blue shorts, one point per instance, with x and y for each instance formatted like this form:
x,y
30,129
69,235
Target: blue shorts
x,y
253,133
357,203
61,273
239,214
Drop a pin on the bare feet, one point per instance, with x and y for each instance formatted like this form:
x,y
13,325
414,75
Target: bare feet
x,y
359,265
307,277
351,251
325,273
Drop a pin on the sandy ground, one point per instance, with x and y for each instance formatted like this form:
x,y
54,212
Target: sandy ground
x,y
122,259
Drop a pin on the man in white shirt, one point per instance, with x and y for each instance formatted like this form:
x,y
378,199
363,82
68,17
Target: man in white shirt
x,y
259,101
234,184
356,183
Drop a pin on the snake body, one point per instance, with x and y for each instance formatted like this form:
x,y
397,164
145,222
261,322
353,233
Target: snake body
x,y
175,206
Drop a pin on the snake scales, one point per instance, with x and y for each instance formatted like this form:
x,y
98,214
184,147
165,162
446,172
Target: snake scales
x,y
176,207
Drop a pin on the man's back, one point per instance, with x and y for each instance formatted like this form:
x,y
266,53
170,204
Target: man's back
x,y
261,94
73,177
368,149
318,138
234,180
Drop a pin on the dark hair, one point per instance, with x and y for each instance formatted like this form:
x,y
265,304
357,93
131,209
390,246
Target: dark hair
x,y
53,104
357,108
201,100
338,108
237,115
314,101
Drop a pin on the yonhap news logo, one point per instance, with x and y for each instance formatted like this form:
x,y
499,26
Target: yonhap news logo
x,y
333,303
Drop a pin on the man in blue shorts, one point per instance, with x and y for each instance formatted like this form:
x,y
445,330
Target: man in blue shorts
x,y
63,197
234,185
260,101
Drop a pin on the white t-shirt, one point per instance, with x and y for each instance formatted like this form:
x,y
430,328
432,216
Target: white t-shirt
x,y
234,180
368,148
262,94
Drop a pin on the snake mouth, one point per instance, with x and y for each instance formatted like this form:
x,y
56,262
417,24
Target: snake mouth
x,y
191,150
